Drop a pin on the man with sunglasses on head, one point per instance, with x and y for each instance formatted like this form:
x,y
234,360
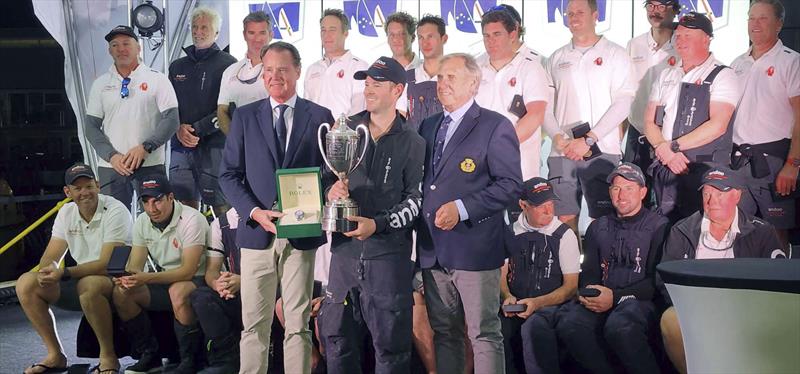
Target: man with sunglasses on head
x,y
197,146
514,83
132,111
719,230
651,53
242,82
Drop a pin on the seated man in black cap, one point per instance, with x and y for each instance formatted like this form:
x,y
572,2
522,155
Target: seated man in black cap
x,y
174,236
542,274
719,230
89,227
621,252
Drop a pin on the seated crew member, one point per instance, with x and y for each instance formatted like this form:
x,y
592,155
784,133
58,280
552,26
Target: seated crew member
x,y
89,228
719,230
217,305
542,273
174,237
621,252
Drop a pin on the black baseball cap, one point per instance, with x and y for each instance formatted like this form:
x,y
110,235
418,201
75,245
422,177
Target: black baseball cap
x,y
721,178
76,171
382,70
694,20
537,191
155,185
121,29
628,171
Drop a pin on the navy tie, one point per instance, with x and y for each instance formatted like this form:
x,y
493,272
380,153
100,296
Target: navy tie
x,y
280,131
441,134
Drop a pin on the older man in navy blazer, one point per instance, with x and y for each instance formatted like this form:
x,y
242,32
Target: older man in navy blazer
x,y
472,172
270,134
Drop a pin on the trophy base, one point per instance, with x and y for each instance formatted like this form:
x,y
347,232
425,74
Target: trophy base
x,y
334,217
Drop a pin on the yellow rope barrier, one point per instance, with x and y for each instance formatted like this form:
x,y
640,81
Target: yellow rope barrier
x,y
34,225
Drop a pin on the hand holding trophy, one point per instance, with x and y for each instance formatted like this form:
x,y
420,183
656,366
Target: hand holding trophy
x,y
339,153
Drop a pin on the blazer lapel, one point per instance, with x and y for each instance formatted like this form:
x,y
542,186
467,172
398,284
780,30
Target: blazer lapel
x,y
464,128
299,127
264,118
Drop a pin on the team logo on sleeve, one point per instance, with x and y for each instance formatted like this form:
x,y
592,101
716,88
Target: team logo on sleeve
x,y
771,71
468,165
512,82
598,61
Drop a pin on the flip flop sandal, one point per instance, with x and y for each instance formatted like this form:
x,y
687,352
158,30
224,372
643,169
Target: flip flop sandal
x,y
96,369
49,369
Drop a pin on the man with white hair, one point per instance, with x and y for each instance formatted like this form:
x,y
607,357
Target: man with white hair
x,y
197,146
472,173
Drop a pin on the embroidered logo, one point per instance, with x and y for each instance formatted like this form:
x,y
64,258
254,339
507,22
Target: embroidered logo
x,y
598,61
671,61
512,82
175,243
143,86
340,74
771,71
468,165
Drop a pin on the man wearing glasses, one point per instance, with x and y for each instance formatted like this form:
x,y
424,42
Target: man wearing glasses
x,y
197,145
719,230
651,53
242,82
132,112
621,252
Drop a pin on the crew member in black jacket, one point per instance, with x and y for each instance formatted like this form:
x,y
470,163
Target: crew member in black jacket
x,y
621,252
197,145
719,230
370,276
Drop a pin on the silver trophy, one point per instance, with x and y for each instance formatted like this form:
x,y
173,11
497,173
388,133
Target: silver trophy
x,y
341,146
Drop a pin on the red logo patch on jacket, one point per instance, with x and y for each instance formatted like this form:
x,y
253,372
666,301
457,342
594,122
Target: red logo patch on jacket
x,y
598,61
671,61
771,71
340,74
512,82
143,86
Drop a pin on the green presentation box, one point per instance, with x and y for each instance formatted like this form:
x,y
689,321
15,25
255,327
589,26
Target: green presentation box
x,y
300,198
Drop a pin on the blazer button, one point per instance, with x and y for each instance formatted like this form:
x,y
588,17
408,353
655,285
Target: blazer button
x,y
433,187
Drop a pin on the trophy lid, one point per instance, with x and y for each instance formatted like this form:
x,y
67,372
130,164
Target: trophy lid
x,y
341,130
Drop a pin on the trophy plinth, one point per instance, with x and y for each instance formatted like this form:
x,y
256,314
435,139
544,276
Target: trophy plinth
x,y
339,153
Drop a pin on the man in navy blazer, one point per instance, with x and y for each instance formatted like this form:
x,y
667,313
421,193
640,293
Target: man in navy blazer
x,y
275,133
472,172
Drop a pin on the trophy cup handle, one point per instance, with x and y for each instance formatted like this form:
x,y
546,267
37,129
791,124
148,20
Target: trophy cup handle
x,y
320,140
365,130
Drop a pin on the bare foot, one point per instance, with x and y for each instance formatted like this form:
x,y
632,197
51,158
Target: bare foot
x,y
58,361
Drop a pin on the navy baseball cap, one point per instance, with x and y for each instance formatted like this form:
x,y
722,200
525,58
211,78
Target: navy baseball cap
x,y
155,185
537,191
721,178
628,171
694,20
76,171
382,70
121,30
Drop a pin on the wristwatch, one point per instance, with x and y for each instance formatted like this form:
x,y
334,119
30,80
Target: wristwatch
x,y
590,141
674,146
149,147
793,162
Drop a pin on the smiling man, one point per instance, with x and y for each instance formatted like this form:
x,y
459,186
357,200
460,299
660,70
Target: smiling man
x,y
373,261
472,174
719,230
132,111
173,236
197,146
275,133
89,228
621,252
